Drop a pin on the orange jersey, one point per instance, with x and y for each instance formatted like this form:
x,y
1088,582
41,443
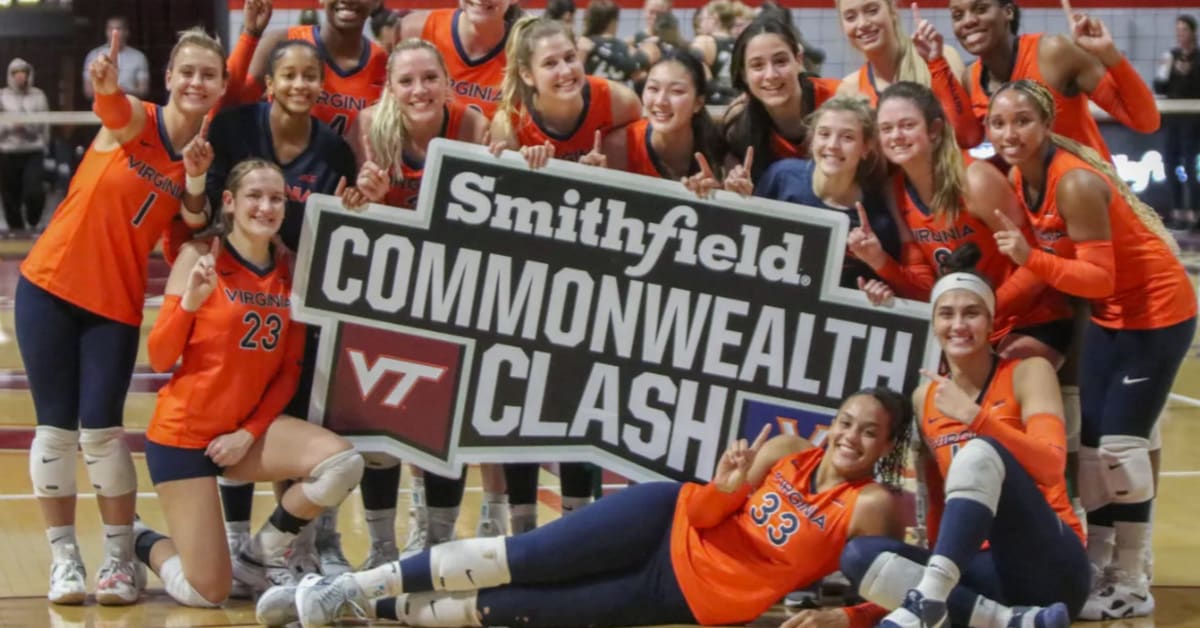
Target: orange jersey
x,y
95,252
476,82
1072,118
945,436
640,157
345,93
239,341
814,91
597,116
405,188
785,537
1152,288
866,84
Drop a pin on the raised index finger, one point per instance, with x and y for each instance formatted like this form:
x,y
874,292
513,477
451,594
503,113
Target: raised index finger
x,y
749,160
704,167
203,133
114,44
864,223
916,13
1066,6
215,248
1007,222
762,437
596,148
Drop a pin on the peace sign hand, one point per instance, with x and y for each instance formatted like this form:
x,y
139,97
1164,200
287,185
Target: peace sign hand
x,y
951,400
738,179
596,157
703,183
202,280
926,39
103,70
733,469
198,153
863,243
1011,241
1092,35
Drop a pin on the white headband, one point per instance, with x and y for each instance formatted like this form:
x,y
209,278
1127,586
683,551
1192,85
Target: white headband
x,y
964,281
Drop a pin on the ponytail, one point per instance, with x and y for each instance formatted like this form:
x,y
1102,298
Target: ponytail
x,y
515,96
949,171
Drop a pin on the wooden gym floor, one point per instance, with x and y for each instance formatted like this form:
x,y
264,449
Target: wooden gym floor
x,y
24,555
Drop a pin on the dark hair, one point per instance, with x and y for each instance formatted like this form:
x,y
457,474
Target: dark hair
x,y
949,173
751,126
558,9
1015,25
666,27
962,260
706,139
513,13
284,45
890,468
381,19
1189,20
600,13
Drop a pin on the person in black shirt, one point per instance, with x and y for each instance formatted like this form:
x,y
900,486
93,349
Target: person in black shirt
x,y
1178,76
604,53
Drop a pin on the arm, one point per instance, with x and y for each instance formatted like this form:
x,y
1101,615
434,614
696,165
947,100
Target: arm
x,y
255,74
279,392
1105,75
712,505
614,149
242,86
849,85
174,324
705,49
122,116
876,513
413,24
912,277
474,127
356,135
626,105
1042,447
987,191
968,130
929,477
1083,199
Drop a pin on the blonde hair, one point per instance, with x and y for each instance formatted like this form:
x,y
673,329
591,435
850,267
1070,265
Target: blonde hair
x,y
949,171
199,38
515,96
911,66
872,167
1044,100
386,135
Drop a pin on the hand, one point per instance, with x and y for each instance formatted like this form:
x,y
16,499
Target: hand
x,y
257,14
1011,241
734,466
863,243
596,157
926,39
538,156
818,618
878,293
738,179
373,180
198,153
103,70
202,280
1092,35
704,182
951,400
228,449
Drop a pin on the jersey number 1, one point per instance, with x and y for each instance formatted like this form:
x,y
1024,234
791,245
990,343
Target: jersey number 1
x,y
144,209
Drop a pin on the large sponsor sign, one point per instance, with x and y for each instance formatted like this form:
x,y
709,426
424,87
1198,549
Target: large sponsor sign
x,y
581,314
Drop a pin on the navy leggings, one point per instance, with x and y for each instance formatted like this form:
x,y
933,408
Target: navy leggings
x,y
606,565
78,363
1034,558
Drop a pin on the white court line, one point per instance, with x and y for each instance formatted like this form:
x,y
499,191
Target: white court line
x,y
403,491
1191,401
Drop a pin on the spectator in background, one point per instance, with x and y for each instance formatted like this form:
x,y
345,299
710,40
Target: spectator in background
x,y
1178,76
309,17
134,77
563,11
385,27
603,52
22,149
811,56
651,9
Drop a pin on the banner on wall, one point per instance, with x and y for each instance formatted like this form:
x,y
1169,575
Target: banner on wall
x,y
582,314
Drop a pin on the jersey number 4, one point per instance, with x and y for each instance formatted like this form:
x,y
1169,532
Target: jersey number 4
x,y
761,515
271,327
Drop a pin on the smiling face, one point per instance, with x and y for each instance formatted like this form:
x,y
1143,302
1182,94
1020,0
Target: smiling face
x,y
961,323
555,71
980,25
859,436
484,11
1016,127
772,69
347,14
419,84
838,144
868,24
256,208
196,79
670,97
295,82
904,137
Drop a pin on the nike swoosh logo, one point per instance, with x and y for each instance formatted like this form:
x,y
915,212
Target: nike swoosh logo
x,y
469,577
1114,466
91,462
1139,597
1127,381
59,538
113,536
46,460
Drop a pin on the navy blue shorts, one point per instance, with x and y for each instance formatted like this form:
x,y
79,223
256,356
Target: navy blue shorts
x,y
167,463
1054,334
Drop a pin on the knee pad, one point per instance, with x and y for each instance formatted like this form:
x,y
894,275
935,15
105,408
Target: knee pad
x,y
976,473
1072,417
1127,473
109,464
178,587
469,564
52,461
889,578
438,610
380,460
333,479
1156,434
1093,493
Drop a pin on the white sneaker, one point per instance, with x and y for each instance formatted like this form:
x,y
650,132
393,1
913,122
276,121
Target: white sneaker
x,y
493,520
1118,596
68,579
259,577
303,558
277,605
418,533
381,553
321,602
329,553
117,582
236,541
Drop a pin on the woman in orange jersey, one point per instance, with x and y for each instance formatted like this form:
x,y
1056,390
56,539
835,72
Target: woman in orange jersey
x,y
1083,66
1096,240
873,28
769,123
226,313
417,106
774,518
993,460
551,109
947,206
472,40
80,298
